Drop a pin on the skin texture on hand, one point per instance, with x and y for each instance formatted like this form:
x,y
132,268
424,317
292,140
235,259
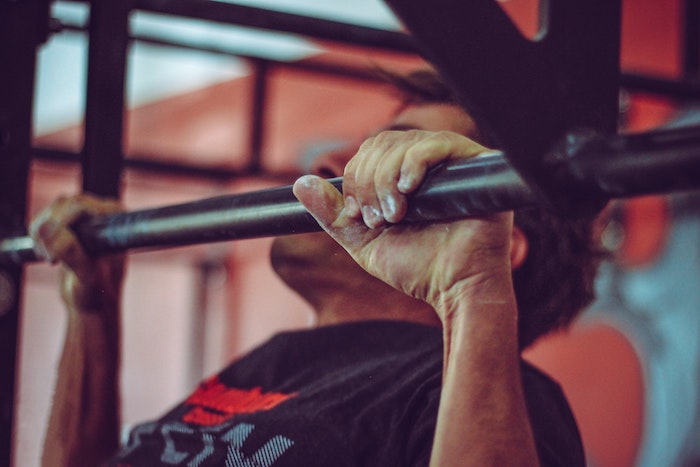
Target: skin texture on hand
x,y
461,268
83,425
87,284
364,219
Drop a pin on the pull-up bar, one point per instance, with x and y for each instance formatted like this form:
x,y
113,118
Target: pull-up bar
x,y
621,166
458,189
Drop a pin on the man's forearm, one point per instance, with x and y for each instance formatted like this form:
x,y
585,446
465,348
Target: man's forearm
x,y
84,422
483,418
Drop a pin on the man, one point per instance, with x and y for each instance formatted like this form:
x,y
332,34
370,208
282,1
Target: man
x,y
416,362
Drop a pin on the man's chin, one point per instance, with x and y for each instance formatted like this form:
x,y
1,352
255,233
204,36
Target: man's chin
x,y
303,238
306,245
310,258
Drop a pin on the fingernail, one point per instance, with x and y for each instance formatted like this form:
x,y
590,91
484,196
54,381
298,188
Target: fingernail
x,y
307,180
406,182
389,207
352,208
371,216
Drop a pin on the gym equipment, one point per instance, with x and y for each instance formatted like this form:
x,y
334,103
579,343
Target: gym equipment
x,y
621,166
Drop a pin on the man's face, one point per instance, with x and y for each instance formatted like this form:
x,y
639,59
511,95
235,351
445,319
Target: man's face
x,y
435,117
302,254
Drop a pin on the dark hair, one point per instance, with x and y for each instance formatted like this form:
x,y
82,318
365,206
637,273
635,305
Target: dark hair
x,y
556,281
424,86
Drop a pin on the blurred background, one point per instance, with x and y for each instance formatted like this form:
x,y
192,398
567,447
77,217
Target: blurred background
x,y
215,109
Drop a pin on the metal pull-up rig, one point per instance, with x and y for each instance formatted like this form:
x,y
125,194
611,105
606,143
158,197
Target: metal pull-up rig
x,y
649,163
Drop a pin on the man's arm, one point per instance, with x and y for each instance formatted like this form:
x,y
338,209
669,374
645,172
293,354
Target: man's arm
x,y
83,426
482,418
461,268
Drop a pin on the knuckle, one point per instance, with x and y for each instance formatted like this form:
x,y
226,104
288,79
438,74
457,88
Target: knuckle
x,y
442,139
367,144
414,156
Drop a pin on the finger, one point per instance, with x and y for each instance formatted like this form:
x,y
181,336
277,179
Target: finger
x,y
52,227
386,176
359,189
373,186
67,249
320,198
349,188
326,205
431,151
38,230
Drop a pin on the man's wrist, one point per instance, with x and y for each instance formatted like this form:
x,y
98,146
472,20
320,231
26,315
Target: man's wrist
x,y
491,288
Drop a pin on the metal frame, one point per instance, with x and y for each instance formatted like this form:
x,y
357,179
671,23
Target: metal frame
x,y
257,130
360,36
227,13
622,166
678,89
102,153
691,39
566,79
23,26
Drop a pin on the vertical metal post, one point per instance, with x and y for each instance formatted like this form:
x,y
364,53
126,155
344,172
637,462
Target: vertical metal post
x,y
102,155
691,39
23,26
257,128
528,94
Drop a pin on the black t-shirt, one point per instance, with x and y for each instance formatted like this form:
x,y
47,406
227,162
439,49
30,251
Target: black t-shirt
x,y
355,394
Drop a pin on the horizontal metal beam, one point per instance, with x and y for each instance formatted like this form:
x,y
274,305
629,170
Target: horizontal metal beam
x,y
678,89
159,166
311,65
661,161
317,28
671,88
655,162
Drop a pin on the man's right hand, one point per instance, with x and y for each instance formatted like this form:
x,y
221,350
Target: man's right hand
x,y
84,423
88,284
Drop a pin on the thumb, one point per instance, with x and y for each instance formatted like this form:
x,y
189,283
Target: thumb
x,y
326,204
323,201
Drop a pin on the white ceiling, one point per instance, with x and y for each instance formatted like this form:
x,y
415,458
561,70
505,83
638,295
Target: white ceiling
x,y
372,13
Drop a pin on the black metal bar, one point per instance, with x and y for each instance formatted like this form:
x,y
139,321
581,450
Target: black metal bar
x,y
656,162
317,28
104,112
311,65
527,94
678,89
686,88
147,164
485,184
691,39
257,121
622,166
23,26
